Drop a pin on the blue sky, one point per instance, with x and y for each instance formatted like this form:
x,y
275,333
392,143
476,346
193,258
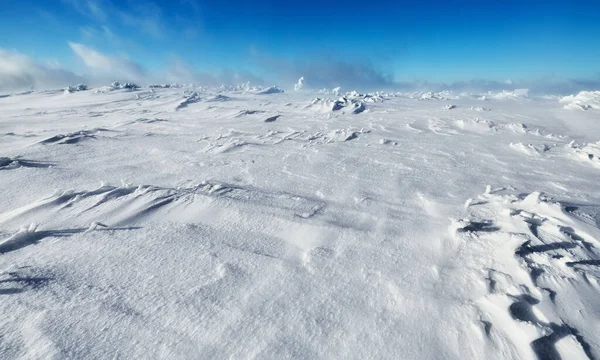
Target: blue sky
x,y
353,43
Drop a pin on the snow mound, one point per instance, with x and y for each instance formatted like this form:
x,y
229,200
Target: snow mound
x,y
435,96
475,125
76,88
190,98
369,97
587,152
585,100
118,86
515,128
529,149
5,161
354,106
128,86
270,90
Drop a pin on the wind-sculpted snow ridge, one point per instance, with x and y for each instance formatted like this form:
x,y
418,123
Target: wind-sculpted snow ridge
x,y
190,97
7,163
131,204
218,98
193,222
352,102
518,94
585,100
343,104
541,271
589,153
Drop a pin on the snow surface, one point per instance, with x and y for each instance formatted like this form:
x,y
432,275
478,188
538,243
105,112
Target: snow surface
x,y
178,222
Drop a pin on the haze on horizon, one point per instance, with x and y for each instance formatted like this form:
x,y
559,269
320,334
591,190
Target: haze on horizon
x,y
464,45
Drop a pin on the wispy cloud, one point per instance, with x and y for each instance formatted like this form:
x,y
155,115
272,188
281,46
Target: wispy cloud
x,y
147,18
90,8
102,65
20,72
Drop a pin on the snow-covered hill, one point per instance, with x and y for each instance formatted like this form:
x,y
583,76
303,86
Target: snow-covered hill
x,y
179,222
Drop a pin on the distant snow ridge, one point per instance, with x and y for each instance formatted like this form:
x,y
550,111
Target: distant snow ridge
x,y
504,94
427,95
244,87
300,84
585,100
444,95
76,88
270,90
118,86
371,98
129,86
165,86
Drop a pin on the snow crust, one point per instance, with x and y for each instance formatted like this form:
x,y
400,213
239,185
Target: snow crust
x,y
177,222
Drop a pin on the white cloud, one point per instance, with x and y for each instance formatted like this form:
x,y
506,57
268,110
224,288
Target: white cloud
x,y
107,66
19,72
